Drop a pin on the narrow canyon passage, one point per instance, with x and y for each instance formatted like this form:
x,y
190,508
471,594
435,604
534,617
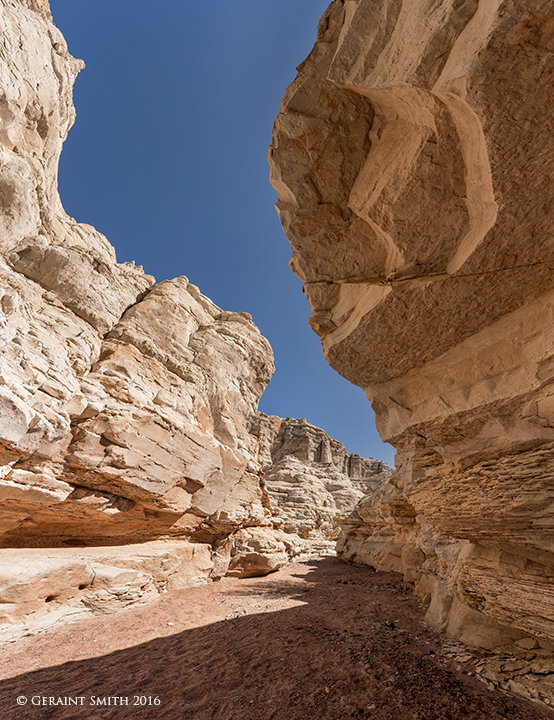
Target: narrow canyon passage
x,y
318,640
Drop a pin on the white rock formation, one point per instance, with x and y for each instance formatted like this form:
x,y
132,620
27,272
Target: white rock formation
x,y
127,465
124,405
312,480
411,156
45,587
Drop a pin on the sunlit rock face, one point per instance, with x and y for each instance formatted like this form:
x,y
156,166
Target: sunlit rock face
x,y
312,480
124,405
412,158
126,463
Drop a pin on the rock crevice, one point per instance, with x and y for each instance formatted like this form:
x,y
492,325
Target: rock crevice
x,y
127,465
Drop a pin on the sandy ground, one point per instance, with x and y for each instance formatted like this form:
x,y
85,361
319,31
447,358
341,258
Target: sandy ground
x,y
317,641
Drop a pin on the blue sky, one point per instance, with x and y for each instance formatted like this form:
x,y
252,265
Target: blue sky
x,y
168,159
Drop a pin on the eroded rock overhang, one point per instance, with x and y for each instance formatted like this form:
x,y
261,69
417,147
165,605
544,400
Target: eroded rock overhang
x,y
412,157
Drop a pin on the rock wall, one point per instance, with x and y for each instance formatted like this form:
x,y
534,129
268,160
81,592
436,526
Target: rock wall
x,y
127,465
125,405
311,479
412,157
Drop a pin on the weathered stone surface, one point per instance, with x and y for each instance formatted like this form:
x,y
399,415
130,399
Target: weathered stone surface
x,y
45,587
311,479
411,155
256,551
95,291
151,440
124,406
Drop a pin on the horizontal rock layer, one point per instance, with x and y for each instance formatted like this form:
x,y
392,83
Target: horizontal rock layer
x,y
311,479
411,158
124,405
43,588
46,587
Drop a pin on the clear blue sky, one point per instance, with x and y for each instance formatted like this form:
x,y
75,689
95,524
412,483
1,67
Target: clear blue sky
x,y
168,159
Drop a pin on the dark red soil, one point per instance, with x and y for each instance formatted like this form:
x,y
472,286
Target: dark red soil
x,y
316,641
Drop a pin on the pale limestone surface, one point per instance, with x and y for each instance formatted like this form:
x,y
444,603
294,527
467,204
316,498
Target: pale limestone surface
x,y
45,587
124,405
311,479
411,157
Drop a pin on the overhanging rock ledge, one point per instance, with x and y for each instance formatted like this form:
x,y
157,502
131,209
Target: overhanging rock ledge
x,y
412,156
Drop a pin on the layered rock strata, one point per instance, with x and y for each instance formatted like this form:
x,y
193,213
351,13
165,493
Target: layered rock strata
x,y
124,404
311,479
127,465
411,157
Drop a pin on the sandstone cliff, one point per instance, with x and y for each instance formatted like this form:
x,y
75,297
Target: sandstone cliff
x,y
311,479
412,158
124,404
127,462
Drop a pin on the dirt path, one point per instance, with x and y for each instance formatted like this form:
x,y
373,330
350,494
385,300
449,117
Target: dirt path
x,y
316,641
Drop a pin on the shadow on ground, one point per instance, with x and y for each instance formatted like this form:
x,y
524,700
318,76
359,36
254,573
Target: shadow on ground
x,y
353,646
